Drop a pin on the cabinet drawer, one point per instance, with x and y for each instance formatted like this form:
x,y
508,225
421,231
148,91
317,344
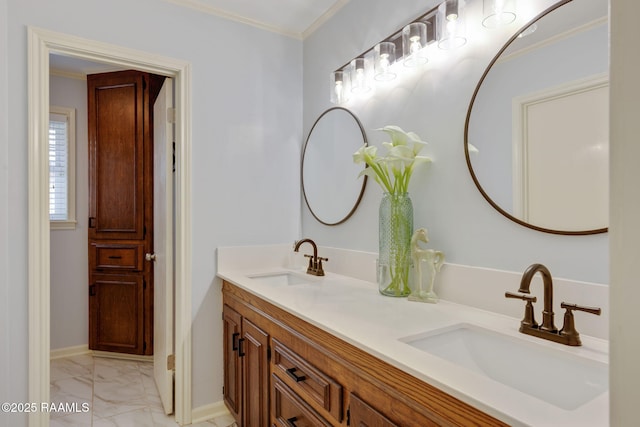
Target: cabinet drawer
x,y
307,381
120,256
364,415
289,410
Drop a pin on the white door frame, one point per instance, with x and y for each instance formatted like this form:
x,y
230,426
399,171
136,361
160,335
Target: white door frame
x,y
41,44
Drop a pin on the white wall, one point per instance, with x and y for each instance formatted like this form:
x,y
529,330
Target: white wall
x,y
434,104
246,131
625,211
521,76
69,258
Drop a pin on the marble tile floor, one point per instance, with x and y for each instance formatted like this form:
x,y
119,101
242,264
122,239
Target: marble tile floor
x,y
106,392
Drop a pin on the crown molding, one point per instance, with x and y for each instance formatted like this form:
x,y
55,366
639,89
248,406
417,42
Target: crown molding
x,y
211,10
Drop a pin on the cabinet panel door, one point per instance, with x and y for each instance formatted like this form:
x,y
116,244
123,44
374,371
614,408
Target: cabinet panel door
x,y
116,155
232,322
116,321
253,348
363,415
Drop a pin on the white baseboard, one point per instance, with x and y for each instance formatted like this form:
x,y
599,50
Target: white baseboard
x,y
207,412
75,350
78,350
123,356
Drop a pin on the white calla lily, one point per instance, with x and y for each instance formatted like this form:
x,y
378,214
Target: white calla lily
x,y
393,171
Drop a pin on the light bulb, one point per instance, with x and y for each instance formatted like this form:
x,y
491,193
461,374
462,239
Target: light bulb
x,y
384,54
415,45
451,10
339,89
451,26
384,62
414,39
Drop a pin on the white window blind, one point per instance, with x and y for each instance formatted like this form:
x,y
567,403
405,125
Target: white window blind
x,y
58,168
62,167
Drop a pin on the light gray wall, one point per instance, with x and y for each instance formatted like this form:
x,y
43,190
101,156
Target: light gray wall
x,y
69,258
12,344
246,130
519,76
433,103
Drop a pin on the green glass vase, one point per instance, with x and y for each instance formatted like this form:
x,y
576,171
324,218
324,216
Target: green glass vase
x,y
394,257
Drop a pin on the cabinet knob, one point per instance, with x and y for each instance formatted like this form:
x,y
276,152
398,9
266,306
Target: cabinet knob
x,y
150,257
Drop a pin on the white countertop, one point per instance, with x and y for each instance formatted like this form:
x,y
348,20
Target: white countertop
x,y
353,310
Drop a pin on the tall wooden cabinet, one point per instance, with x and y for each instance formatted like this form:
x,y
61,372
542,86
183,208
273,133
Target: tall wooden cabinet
x,y
120,111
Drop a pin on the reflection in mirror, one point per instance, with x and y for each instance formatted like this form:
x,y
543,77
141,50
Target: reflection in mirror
x,y
330,183
539,119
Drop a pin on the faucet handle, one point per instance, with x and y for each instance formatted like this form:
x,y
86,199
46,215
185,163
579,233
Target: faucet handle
x,y
527,298
568,328
570,307
529,320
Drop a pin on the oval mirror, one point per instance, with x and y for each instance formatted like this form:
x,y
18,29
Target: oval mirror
x,y
536,133
330,183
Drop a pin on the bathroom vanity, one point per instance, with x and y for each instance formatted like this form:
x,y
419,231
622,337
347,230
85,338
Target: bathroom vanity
x,y
282,370
304,350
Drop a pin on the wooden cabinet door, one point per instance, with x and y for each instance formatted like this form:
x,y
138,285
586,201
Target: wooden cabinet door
x,y
121,199
118,170
363,415
232,323
253,349
115,307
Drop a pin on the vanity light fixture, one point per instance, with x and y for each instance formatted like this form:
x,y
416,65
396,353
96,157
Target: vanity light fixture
x,y
498,13
361,74
340,87
451,25
445,23
414,40
384,57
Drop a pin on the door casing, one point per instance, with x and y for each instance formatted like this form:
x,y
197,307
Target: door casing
x,y
42,43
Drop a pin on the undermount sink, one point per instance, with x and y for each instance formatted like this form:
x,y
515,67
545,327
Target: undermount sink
x,y
557,377
283,278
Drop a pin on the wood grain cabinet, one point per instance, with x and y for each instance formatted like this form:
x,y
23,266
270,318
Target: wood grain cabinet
x,y
317,379
362,414
246,377
120,117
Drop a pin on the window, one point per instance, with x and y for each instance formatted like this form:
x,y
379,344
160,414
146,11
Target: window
x,y
62,160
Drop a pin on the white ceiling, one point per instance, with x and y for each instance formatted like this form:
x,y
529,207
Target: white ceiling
x,y
295,18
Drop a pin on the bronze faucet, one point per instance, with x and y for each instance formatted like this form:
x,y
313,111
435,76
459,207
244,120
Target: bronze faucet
x,y
568,334
315,262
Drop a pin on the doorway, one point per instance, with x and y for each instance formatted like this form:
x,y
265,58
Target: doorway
x,y
42,43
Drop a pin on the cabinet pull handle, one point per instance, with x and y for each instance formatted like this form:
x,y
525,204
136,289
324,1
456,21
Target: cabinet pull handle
x,y
291,422
296,378
235,341
115,257
241,352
